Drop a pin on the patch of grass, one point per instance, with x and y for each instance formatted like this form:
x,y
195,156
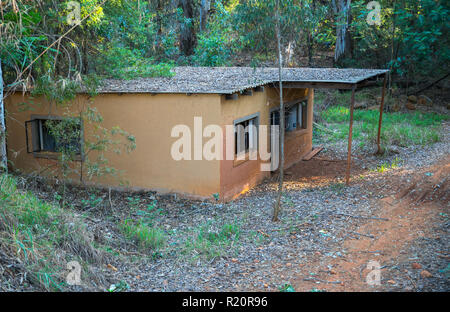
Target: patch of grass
x,y
401,129
287,200
386,166
258,238
145,236
337,187
148,215
120,286
286,288
43,236
209,241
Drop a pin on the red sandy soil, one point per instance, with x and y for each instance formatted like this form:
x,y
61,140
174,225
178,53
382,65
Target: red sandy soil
x,y
318,172
409,216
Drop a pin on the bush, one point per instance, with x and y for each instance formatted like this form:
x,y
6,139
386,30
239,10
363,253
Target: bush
x,y
124,63
212,50
214,47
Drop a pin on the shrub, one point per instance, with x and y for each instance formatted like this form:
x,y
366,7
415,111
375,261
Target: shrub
x,y
212,50
124,63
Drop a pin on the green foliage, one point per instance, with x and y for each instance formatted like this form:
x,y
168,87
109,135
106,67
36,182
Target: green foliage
x,y
214,47
58,90
129,39
299,22
212,50
31,26
120,286
286,288
412,38
43,236
150,214
124,63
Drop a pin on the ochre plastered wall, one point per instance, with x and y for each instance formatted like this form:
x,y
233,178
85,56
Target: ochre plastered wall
x,y
238,177
150,119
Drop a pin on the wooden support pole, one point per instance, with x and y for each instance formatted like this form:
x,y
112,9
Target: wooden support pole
x,y
381,114
350,131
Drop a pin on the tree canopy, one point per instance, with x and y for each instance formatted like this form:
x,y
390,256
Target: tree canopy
x,y
137,38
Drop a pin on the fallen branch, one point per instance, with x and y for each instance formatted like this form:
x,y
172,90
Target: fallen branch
x,y
366,235
324,159
361,217
109,197
322,127
314,279
411,280
431,84
295,226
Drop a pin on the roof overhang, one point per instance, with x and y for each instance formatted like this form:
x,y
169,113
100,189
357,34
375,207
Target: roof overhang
x,y
369,80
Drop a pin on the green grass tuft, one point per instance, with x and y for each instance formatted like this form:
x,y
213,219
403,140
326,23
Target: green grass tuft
x,y
209,241
44,237
146,237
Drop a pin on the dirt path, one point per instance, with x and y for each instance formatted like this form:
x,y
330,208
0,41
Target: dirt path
x,y
401,220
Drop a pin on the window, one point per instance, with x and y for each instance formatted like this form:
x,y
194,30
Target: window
x,y
294,118
54,134
246,135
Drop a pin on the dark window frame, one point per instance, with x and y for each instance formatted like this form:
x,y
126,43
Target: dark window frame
x,y
301,122
37,136
245,122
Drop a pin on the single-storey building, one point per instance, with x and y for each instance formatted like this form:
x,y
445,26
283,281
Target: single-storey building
x,y
238,98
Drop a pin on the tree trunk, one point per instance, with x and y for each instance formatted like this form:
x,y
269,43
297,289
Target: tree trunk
x,y
277,206
3,155
187,31
341,9
392,47
310,40
310,49
204,9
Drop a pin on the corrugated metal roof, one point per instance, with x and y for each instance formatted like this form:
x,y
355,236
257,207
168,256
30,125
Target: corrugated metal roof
x,y
228,80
